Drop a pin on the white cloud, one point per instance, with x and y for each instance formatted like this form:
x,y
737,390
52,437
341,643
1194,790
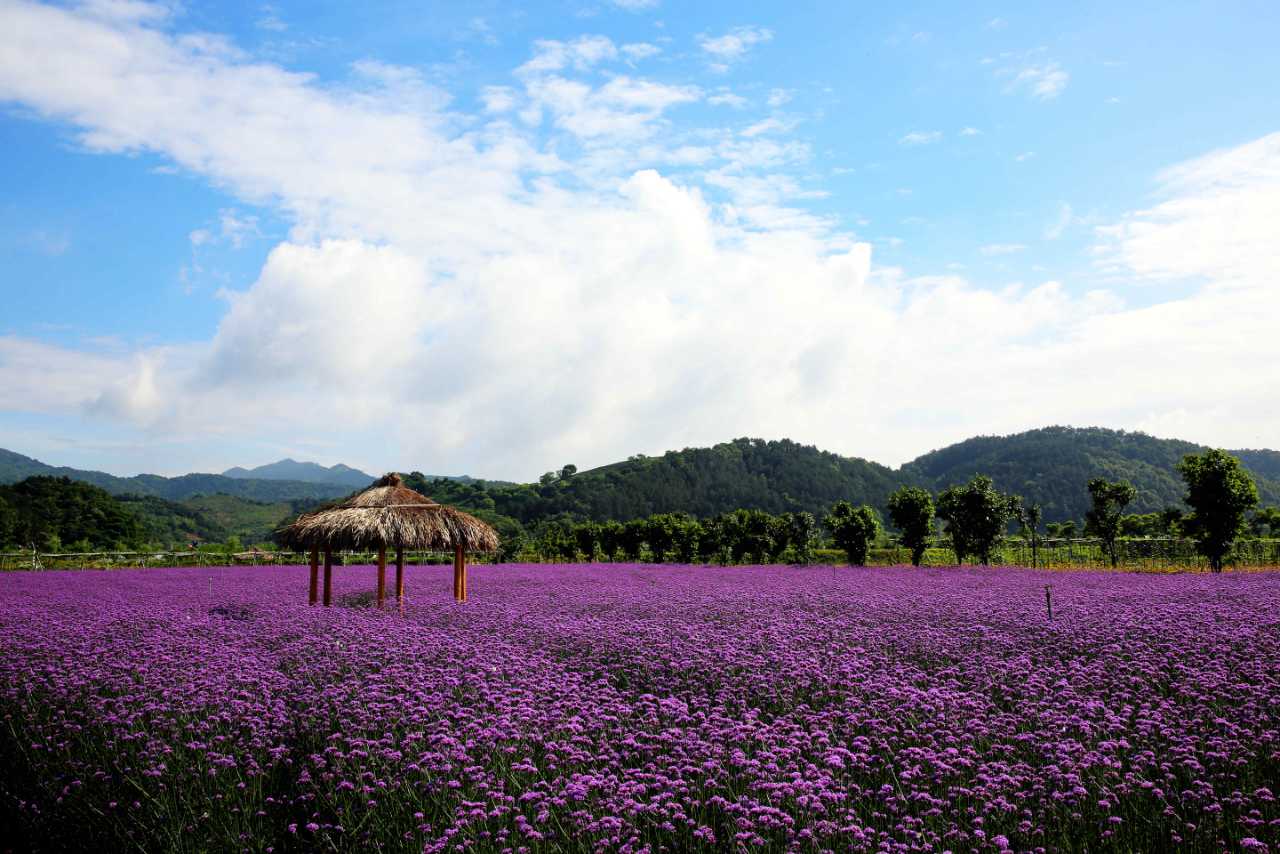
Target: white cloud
x,y
996,249
1044,81
581,53
733,46
498,99
1064,219
970,131
997,24
918,137
1024,156
725,98
640,50
636,5
1217,220
778,97
454,294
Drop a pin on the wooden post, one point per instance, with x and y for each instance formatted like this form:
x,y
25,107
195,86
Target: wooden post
x,y
382,575
1048,601
460,574
315,576
328,576
400,574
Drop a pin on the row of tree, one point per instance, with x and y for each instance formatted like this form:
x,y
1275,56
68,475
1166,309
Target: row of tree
x,y
977,518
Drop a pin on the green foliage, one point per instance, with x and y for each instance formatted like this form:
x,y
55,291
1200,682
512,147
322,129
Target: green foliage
x,y
660,534
853,529
911,512
586,535
611,537
688,536
1265,522
1046,466
1220,494
1029,521
1108,502
802,533
632,538
977,516
1166,523
46,512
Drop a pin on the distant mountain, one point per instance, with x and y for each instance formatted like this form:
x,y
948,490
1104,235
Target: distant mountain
x,y
1049,466
752,473
288,469
1052,465
15,467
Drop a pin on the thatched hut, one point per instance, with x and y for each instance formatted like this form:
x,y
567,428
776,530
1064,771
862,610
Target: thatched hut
x,y
388,515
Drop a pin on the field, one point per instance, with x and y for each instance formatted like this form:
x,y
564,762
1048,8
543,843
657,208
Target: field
x,y
632,708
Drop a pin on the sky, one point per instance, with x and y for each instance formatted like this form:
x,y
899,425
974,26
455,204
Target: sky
x,y
495,238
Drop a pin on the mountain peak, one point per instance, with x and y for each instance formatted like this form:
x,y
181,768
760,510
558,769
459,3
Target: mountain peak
x,y
291,469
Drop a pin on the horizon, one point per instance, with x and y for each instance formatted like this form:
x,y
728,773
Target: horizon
x,y
582,470
494,234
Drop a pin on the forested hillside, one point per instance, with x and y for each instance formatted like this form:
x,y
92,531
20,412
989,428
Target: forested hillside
x,y
750,473
1051,466
15,467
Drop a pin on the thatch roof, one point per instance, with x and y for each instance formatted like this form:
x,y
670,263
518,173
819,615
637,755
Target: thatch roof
x,y
388,514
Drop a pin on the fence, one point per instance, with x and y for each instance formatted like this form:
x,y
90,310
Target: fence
x,y
10,561
1149,555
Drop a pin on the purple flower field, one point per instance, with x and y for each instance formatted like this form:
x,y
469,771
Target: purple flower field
x,y
634,708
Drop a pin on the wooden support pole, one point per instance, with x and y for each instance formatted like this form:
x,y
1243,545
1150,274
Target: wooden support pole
x,y
315,576
328,577
457,575
460,573
400,574
382,574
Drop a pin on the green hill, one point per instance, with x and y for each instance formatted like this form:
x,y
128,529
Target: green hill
x,y
1051,466
16,467
751,473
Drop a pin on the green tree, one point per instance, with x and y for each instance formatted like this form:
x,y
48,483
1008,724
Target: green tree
x,y
801,531
1029,520
1220,493
611,539
660,534
586,536
712,542
1265,522
688,533
977,516
1108,501
632,539
911,512
8,521
853,529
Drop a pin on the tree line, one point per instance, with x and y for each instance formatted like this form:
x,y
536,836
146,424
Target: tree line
x,y
976,519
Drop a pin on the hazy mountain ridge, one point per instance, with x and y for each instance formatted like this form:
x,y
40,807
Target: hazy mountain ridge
x,y
1049,466
304,472
15,467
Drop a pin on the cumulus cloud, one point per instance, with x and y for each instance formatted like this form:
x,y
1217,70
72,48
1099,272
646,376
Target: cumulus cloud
x,y
1216,220
485,298
724,50
919,137
1043,81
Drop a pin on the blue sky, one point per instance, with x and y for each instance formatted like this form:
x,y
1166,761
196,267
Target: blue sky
x,y
495,238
